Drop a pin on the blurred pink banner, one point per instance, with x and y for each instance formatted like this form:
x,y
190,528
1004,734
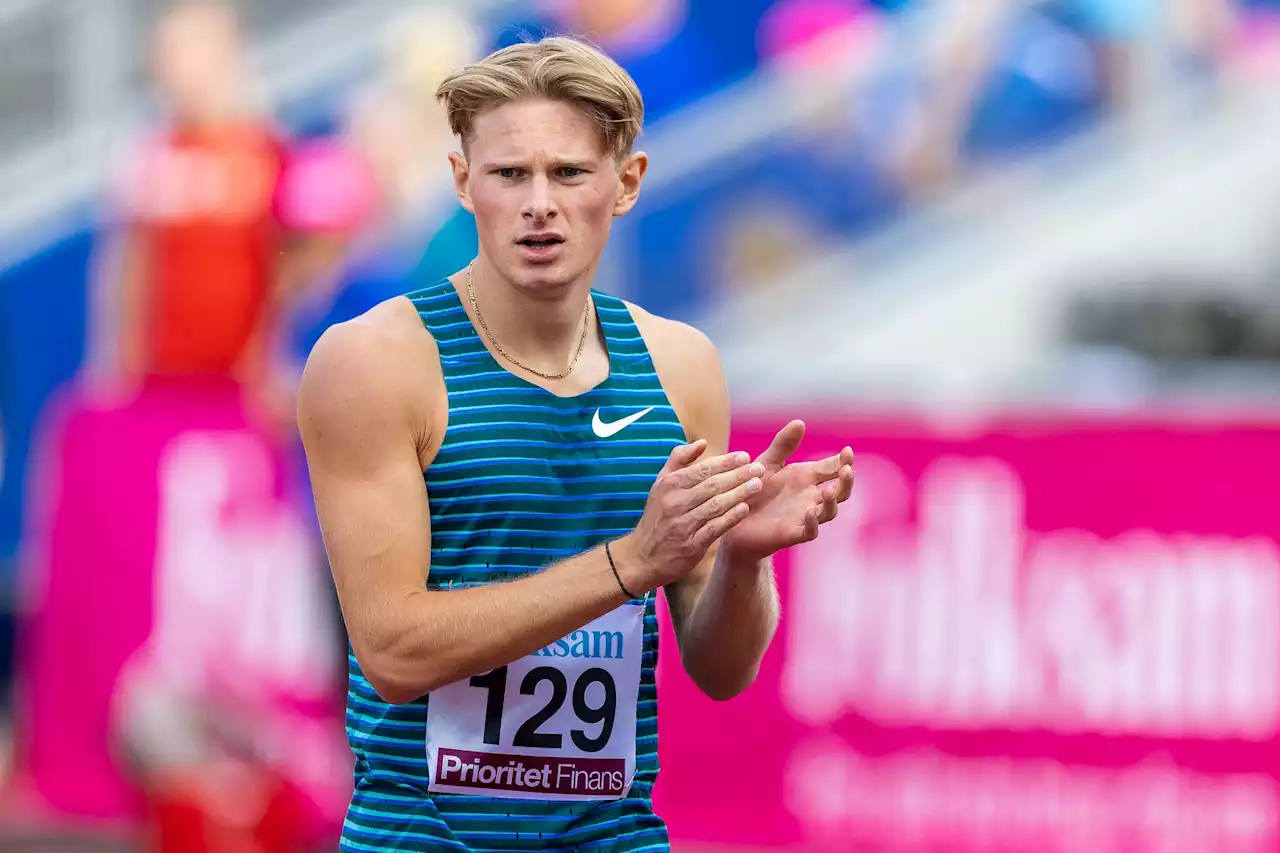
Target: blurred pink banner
x,y
1051,636
169,552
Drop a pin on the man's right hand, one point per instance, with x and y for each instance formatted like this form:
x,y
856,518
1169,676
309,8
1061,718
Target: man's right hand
x,y
693,503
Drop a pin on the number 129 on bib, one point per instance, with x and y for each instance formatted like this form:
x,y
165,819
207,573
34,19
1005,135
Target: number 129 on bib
x,y
559,724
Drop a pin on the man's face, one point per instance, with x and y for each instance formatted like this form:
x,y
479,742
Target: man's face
x,y
544,192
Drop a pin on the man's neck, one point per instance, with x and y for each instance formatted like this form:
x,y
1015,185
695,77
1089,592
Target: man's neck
x,y
541,332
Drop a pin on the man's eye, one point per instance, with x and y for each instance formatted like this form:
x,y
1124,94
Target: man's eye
x,y
508,173
572,172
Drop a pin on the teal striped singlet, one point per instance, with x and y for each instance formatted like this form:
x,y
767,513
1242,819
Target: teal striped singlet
x,y
522,479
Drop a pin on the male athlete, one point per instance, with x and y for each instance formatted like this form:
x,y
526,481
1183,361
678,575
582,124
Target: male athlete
x,y
507,467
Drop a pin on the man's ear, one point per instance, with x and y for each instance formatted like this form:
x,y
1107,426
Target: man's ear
x,y
630,177
462,179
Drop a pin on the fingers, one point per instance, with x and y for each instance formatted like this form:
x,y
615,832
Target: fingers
x,y
683,456
707,469
720,501
830,503
834,494
784,445
812,519
718,484
846,484
720,525
829,469
807,530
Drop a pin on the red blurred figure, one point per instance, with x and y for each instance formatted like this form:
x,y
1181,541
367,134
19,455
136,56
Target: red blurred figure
x,y
328,196
238,808
188,292
120,720
328,203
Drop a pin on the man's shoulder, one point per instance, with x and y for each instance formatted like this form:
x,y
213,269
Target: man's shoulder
x,y
381,332
674,345
386,352
688,366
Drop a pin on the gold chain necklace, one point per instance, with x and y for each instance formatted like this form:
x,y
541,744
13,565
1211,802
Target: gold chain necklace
x,y
582,342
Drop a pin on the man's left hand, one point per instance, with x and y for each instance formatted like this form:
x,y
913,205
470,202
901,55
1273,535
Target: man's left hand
x,y
795,501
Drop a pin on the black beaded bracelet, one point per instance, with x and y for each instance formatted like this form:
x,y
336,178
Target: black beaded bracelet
x,y
616,576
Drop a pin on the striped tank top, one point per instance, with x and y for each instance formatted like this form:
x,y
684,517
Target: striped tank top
x,y
522,479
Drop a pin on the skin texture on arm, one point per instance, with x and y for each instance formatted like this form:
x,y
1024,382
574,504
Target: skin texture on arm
x,y
725,611
372,412
715,601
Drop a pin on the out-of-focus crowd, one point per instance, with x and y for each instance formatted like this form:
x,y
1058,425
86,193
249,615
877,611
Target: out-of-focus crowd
x,y
178,648
179,654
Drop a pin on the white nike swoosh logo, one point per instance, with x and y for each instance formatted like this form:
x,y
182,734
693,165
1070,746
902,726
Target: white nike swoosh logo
x,y
604,430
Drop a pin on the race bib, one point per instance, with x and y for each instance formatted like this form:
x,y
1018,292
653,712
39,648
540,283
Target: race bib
x,y
559,724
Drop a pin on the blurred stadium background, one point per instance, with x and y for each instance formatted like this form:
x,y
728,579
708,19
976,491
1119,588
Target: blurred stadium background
x,y
1023,254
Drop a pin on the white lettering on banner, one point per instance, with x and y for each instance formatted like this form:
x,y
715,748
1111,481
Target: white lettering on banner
x,y
925,800
965,619
237,580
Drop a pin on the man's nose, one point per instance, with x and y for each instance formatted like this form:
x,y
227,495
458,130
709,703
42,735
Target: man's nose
x,y
539,205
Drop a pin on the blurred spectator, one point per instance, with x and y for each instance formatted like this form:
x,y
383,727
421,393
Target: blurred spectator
x,y
652,39
328,194
328,198
171,587
417,232
823,36
1067,55
398,125
186,288
676,50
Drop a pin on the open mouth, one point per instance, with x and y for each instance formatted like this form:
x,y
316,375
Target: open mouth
x,y
541,242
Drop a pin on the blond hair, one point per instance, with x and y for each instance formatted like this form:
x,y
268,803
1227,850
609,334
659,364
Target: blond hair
x,y
556,69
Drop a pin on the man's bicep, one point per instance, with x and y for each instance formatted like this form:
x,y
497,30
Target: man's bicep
x,y
375,524
366,478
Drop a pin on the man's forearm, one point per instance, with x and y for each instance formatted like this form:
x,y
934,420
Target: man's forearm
x,y
429,639
731,626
